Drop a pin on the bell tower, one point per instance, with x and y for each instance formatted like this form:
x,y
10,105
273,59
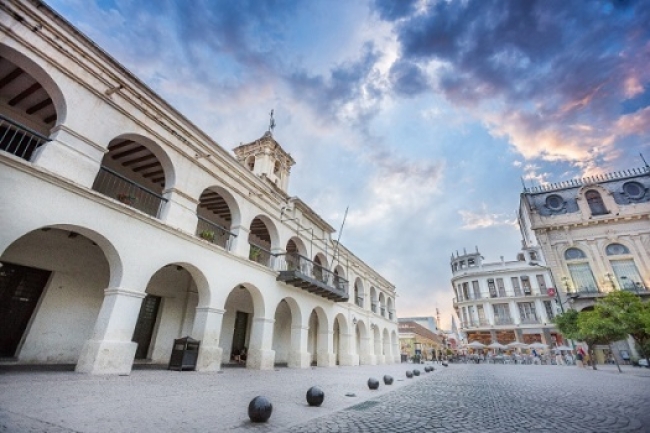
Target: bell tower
x,y
267,159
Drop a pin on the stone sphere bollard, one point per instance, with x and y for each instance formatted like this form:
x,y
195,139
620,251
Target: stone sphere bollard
x,y
315,396
426,369
388,380
373,383
409,374
416,372
444,364
432,368
259,409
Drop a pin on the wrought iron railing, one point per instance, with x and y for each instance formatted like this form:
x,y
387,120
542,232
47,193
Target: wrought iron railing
x,y
260,255
114,185
529,320
212,232
19,140
306,267
373,307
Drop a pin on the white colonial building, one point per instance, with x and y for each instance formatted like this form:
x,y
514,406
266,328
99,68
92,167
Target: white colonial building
x,y
124,226
504,301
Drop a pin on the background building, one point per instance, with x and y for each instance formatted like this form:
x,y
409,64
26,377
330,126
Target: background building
x,y
124,226
414,337
594,233
504,301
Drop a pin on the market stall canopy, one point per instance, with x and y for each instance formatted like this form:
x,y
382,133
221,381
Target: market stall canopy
x,y
476,345
516,344
497,346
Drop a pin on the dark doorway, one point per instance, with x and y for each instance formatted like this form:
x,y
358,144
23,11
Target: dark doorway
x,y
146,323
20,290
239,335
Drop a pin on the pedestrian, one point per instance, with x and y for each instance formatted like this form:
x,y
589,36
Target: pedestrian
x,y
580,357
558,357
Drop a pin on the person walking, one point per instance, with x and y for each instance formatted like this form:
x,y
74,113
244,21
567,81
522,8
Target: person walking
x,y
580,357
558,357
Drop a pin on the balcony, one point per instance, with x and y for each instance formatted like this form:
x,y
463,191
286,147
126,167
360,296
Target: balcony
x,y
261,255
19,140
529,321
118,187
373,307
383,311
299,271
214,233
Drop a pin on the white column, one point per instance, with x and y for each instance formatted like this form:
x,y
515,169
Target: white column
x,y
347,356
207,328
325,356
298,355
110,349
70,155
241,247
180,210
260,354
366,355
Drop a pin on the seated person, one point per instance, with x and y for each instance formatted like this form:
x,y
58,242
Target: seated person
x,y
239,355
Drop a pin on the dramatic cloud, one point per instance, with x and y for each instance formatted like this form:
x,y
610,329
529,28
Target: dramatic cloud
x,y
551,76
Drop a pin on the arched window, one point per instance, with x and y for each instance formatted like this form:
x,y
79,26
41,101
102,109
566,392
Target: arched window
x,y
616,250
276,168
580,271
250,163
595,202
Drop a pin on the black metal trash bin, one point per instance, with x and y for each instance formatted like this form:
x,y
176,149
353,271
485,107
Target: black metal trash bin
x,y
185,353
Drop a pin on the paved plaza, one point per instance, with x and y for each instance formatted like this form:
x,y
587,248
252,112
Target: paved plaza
x,y
460,398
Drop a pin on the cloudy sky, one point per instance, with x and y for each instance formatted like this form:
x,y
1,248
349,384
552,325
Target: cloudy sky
x,y
422,116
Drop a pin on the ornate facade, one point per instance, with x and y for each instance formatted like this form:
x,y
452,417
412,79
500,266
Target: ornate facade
x,y
124,226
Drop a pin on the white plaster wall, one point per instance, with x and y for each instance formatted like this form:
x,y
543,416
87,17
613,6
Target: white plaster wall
x,y
69,304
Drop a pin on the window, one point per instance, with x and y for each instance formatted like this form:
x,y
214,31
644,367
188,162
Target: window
x,y
476,289
466,291
574,254
541,283
250,163
515,286
460,293
627,275
276,168
550,313
481,315
616,250
527,312
582,277
634,190
554,202
525,283
492,288
501,314
595,202
501,287
533,256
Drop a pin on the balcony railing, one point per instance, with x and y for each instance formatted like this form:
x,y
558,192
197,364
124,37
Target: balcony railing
x,y
359,301
116,186
301,272
529,320
19,140
373,307
261,255
383,311
391,315
206,229
503,320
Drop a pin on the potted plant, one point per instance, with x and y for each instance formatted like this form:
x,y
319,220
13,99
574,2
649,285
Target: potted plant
x,y
208,235
254,253
127,198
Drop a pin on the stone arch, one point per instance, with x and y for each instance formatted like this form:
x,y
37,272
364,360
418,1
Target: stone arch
x,y
376,340
374,304
340,337
390,307
382,304
13,59
137,172
321,259
318,339
359,292
386,351
62,272
263,239
286,331
594,200
217,212
361,338
244,303
296,245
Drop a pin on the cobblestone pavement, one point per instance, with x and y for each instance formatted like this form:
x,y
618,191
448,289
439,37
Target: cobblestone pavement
x,y
497,398
473,398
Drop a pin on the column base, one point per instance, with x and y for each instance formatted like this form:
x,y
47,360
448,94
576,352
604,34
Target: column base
x,y
260,359
325,359
368,360
106,357
299,360
381,359
348,359
209,358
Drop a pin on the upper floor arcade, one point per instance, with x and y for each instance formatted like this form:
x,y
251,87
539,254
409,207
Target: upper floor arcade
x,y
71,111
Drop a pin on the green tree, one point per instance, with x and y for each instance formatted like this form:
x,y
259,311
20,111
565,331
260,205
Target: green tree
x,y
567,323
599,327
633,315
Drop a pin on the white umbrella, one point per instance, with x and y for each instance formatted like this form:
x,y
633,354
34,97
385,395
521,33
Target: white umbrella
x,y
516,344
538,346
563,348
497,346
476,345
